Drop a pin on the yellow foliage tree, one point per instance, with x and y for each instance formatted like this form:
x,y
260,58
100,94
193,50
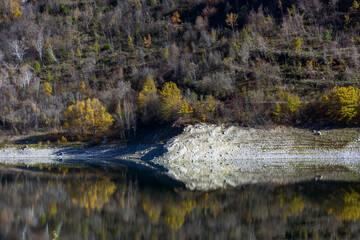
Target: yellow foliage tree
x,y
185,109
343,104
231,20
292,103
149,101
297,43
175,18
277,114
288,107
355,6
88,116
166,53
147,41
130,42
211,103
15,9
171,100
148,92
48,89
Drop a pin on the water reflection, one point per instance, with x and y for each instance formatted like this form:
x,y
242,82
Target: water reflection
x,y
93,203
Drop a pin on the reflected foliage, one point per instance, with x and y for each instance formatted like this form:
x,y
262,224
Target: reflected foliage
x,y
351,206
90,195
89,203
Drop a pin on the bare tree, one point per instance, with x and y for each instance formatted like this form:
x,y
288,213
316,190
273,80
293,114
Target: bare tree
x,y
17,49
39,45
129,109
1,56
51,53
26,75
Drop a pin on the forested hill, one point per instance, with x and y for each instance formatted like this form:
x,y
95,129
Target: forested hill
x,y
87,66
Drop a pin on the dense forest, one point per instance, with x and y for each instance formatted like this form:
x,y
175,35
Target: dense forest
x,y
87,66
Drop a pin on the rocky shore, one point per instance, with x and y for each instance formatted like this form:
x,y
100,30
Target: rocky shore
x,y
208,157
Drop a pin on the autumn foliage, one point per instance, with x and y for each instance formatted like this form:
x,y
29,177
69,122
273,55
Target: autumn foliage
x,y
343,104
149,100
154,62
287,108
172,102
88,117
148,92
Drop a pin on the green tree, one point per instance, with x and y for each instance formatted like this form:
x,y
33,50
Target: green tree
x,y
87,117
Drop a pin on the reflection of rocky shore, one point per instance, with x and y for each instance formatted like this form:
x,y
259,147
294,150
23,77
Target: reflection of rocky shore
x,y
96,205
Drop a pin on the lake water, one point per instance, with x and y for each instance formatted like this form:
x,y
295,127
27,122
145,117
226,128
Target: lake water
x,y
97,202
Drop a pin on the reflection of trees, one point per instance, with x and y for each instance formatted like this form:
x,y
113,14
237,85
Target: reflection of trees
x,y
153,210
347,208
291,205
351,206
91,195
132,210
296,206
175,213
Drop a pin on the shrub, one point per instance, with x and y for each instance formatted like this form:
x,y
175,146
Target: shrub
x,y
63,139
106,47
37,67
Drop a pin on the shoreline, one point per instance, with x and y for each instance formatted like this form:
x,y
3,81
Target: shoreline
x,y
206,157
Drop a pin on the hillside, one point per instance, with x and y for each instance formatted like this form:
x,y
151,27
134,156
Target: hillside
x,y
162,61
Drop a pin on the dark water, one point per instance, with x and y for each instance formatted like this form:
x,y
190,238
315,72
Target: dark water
x,y
94,202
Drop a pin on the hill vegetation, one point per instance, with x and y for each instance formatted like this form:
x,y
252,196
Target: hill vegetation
x,y
76,64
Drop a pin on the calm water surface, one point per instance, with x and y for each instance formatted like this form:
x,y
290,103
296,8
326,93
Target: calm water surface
x,y
94,202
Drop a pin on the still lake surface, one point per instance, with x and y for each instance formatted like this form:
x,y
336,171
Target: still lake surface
x,y
121,202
